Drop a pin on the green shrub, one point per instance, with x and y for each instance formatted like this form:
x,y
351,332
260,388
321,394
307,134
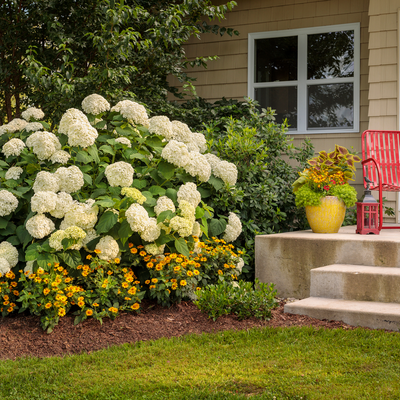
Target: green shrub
x,y
241,299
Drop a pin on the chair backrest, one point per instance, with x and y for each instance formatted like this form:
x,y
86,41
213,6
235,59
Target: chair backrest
x,y
384,147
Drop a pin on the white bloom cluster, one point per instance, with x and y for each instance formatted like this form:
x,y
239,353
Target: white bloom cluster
x,y
119,174
164,203
133,112
15,125
4,266
13,147
233,229
95,104
240,265
42,202
151,231
189,192
212,159
183,226
14,173
60,156
161,125
71,117
70,179
72,232
187,210
39,226
91,234
46,181
134,194
82,215
137,217
9,253
200,141
32,112
108,247
33,127
8,203
176,153
197,230
64,203
198,166
3,129
29,267
44,144
227,172
182,132
125,141
154,250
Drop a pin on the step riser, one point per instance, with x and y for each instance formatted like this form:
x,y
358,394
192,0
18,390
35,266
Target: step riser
x,y
355,286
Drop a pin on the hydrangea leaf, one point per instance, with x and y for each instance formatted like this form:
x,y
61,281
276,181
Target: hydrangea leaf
x,y
125,230
84,157
181,247
167,214
172,194
157,190
166,169
216,182
139,184
106,222
217,226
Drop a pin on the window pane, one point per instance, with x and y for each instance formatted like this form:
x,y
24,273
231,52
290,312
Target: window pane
x,y
331,106
276,59
281,99
330,55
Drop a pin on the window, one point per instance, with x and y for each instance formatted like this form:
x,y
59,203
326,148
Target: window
x,y
309,76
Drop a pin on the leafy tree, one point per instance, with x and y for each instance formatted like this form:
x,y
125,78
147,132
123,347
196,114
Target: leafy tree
x,y
51,50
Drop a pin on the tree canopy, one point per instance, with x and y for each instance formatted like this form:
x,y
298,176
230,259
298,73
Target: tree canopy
x,y
55,52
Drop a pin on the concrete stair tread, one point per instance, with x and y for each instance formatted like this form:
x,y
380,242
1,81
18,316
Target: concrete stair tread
x,y
369,314
364,269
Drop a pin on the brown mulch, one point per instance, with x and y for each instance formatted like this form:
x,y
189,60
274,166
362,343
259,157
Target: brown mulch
x,y
21,335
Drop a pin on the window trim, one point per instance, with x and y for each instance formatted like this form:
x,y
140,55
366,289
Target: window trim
x,y
302,81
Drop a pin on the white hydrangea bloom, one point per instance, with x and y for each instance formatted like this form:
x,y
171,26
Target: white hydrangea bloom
x,y
187,210
176,153
60,156
29,267
109,248
119,174
8,203
233,229
4,266
14,173
40,226
82,215
71,179
46,181
72,232
133,112
154,250
189,192
56,238
44,144
161,125
197,230
137,217
3,129
9,252
95,104
212,159
134,194
16,124
200,140
33,127
42,202
198,166
72,116
91,234
32,112
13,147
183,226
164,203
227,172
182,132
82,134
151,232
240,265
125,141
192,147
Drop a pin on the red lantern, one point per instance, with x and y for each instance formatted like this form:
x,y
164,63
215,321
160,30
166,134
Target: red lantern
x,y
367,218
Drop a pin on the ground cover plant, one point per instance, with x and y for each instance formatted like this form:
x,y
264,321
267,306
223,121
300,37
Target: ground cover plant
x,y
262,363
107,208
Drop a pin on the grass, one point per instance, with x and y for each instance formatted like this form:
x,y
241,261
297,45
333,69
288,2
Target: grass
x,y
268,363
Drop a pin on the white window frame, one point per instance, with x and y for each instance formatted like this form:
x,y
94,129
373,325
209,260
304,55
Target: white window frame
x,y
302,82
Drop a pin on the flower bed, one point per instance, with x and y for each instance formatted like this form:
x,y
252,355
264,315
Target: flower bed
x,y
108,208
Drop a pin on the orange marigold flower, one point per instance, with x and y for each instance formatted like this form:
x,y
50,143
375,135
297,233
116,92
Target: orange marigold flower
x,y
135,306
117,260
142,253
130,245
149,265
97,251
133,251
89,312
147,282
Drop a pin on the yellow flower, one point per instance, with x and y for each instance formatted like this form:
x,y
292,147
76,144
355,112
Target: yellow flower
x,y
81,304
198,288
183,282
149,265
117,260
179,260
196,272
89,312
129,279
152,287
48,305
189,273
109,272
133,251
135,306
147,282
95,304
159,267
88,257
174,286
125,284
220,272
130,245
132,290
97,251
61,312
154,280
142,253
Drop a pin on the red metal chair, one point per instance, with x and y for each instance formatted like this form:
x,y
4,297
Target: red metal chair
x,y
381,164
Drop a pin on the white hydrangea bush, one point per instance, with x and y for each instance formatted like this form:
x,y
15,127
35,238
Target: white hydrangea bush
x,y
105,178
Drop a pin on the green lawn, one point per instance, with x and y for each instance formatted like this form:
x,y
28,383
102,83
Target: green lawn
x,y
290,363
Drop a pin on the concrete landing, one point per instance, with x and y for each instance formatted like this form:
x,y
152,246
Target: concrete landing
x,y
368,314
286,259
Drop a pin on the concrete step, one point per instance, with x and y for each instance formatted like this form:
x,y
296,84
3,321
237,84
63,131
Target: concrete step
x,y
368,314
356,282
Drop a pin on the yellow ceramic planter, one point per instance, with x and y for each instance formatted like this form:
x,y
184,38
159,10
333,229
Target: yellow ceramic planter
x,y
328,217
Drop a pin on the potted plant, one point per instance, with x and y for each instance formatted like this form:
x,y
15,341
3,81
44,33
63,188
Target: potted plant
x,y
324,191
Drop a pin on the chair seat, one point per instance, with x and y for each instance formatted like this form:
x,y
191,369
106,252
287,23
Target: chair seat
x,y
386,187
